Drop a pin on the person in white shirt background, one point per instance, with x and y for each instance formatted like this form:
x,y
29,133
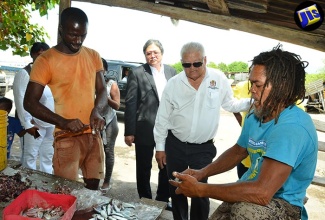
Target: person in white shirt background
x,y
126,73
187,122
38,140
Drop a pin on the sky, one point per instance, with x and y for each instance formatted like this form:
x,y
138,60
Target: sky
x,y
119,34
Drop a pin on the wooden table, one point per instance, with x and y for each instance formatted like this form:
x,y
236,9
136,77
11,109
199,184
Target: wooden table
x,y
49,183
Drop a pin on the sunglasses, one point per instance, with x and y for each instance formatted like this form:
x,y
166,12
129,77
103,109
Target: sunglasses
x,y
195,64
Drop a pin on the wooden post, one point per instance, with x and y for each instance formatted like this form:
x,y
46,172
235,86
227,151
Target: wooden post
x,y
63,5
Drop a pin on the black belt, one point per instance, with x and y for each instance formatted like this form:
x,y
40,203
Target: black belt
x,y
207,142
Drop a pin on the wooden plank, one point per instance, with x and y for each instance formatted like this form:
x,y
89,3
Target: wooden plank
x,y
248,6
320,125
321,146
302,38
314,87
319,181
218,6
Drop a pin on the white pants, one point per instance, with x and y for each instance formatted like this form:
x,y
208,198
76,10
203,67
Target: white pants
x,y
42,147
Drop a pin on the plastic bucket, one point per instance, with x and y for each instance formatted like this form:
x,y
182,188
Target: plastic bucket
x,y
3,139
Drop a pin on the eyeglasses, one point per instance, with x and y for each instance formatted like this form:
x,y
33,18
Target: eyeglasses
x,y
195,64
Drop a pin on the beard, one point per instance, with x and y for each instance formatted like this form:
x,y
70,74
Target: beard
x,y
261,112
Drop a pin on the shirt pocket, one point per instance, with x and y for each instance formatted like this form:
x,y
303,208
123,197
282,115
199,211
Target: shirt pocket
x,y
213,98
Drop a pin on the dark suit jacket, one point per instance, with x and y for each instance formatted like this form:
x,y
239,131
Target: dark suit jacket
x,y
141,103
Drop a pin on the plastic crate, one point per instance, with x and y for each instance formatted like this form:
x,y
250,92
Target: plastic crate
x,y
31,198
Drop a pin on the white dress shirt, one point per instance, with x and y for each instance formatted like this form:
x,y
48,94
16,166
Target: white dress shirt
x,y
160,79
193,115
19,88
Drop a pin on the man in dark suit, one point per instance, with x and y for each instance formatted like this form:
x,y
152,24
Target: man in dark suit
x,y
145,85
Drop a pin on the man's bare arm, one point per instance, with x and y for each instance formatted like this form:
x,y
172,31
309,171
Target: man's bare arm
x,y
226,161
100,109
33,94
261,191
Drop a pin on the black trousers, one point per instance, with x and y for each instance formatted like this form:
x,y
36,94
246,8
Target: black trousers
x,y
181,156
144,155
241,169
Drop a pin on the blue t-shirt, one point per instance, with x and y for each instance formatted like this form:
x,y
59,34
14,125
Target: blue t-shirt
x,y
293,141
14,127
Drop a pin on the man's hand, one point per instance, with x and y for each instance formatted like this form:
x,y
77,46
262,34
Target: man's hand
x,y
73,125
197,174
129,140
161,159
97,122
186,185
33,131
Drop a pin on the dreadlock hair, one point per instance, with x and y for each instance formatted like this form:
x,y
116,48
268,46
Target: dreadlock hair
x,y
286,73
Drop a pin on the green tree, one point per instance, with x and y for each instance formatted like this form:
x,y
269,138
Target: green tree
x,y
313,77
238,66
178,67
222,67
212,65
16,31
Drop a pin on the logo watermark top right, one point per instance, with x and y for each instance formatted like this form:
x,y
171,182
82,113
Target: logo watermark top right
x,y
309,16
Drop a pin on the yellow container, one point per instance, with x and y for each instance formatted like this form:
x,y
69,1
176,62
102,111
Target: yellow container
x,y
3,139
3,157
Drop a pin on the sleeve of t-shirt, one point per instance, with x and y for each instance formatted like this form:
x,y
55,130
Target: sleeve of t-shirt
x,y
40,72
98,61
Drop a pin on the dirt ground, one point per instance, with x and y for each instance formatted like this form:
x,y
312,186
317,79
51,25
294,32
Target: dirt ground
x,y
123,179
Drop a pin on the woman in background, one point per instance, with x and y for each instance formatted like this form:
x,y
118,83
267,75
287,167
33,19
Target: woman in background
x,y
110,132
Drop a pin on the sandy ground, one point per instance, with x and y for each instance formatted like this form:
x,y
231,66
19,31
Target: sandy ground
x,y
123,180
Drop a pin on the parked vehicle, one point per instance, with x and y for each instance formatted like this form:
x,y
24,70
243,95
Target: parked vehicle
x,y
3,84
116,71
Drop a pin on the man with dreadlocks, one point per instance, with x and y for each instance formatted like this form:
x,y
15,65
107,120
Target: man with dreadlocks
x,y
281,141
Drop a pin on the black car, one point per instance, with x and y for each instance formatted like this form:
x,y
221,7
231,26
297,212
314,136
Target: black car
x,y
117,71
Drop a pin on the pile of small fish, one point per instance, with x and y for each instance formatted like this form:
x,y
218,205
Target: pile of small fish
x,y
114,210
51,213
12,186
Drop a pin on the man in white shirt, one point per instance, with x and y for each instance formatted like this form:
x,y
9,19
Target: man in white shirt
x,y
145,85
187,121
39,138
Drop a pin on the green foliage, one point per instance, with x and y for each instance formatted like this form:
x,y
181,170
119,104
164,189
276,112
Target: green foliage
x,y
212,65
223,67
313,77
16,31
237,67
178,67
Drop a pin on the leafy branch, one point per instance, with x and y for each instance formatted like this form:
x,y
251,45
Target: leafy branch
x,y
16,31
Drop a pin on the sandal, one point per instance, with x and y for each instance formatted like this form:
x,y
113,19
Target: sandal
x,y
105,190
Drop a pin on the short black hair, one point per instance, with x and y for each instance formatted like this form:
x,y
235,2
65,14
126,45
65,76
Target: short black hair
x,y
5,104
73,14
37,46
